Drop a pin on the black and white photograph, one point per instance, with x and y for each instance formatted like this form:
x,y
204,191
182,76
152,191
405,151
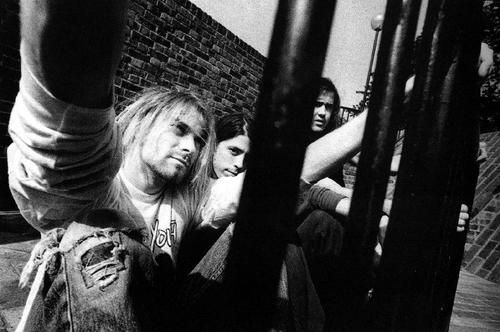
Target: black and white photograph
x,y
250,165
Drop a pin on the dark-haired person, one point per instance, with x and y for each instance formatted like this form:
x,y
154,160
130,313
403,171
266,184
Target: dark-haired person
x,y
233,144
229,164
323,205
326,110
326,201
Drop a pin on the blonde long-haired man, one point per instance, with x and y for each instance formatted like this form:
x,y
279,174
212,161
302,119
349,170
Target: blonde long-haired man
x,y
72,167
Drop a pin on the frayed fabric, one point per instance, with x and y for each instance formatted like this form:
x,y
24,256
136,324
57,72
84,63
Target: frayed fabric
x,y
43,251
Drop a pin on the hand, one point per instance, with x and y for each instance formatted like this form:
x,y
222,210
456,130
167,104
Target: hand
x,y
485,64
482,153
223,202
463,218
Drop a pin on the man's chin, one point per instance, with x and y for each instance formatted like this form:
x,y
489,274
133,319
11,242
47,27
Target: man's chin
x,y
171,176
317,129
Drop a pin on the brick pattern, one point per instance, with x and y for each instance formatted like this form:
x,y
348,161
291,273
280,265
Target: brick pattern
x,y
174,43
482,250
168,43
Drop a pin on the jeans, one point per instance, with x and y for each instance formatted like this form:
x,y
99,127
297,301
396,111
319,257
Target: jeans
x,y
203,298
101,277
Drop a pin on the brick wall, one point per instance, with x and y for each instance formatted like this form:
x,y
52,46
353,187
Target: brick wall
x,y
173,42
168,42
482,250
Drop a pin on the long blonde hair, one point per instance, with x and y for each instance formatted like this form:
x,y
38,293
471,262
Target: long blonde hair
x,y
166,105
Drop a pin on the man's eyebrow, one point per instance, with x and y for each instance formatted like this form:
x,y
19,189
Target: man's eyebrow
x,y
237,149
202,134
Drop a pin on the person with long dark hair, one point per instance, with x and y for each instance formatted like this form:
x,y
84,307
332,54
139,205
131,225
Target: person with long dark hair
x,y
228,167
233,144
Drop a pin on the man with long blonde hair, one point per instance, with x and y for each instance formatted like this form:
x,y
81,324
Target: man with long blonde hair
x,y
104,194
167,140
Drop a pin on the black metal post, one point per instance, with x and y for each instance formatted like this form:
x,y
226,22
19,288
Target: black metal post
x,y
370,66
379,138
266,212
468,138
414,271
370,71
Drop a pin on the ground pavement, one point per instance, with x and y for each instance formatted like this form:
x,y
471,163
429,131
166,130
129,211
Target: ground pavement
x,y
477,302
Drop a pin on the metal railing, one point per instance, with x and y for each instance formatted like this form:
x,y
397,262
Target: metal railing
x,y
346,114
416,280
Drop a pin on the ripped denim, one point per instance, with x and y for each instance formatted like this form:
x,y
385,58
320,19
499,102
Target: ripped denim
x,y
102,279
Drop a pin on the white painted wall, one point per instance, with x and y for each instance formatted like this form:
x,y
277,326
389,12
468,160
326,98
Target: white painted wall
x,y
250,20
351,40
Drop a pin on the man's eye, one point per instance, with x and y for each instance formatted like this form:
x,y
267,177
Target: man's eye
x,y
200,141
181,128
328,106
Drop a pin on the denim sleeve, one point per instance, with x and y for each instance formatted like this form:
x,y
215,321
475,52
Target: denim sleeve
x,y
63,158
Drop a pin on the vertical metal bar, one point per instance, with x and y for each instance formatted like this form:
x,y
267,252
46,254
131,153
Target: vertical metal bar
x,y
265,215
468,106
414,268
469,170
387,98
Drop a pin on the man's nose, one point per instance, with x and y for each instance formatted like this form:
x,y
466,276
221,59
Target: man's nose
x,y
239,161
321,111
187,143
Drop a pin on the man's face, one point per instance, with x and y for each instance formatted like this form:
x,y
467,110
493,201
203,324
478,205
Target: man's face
x,y
229,157
322,111
173,146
